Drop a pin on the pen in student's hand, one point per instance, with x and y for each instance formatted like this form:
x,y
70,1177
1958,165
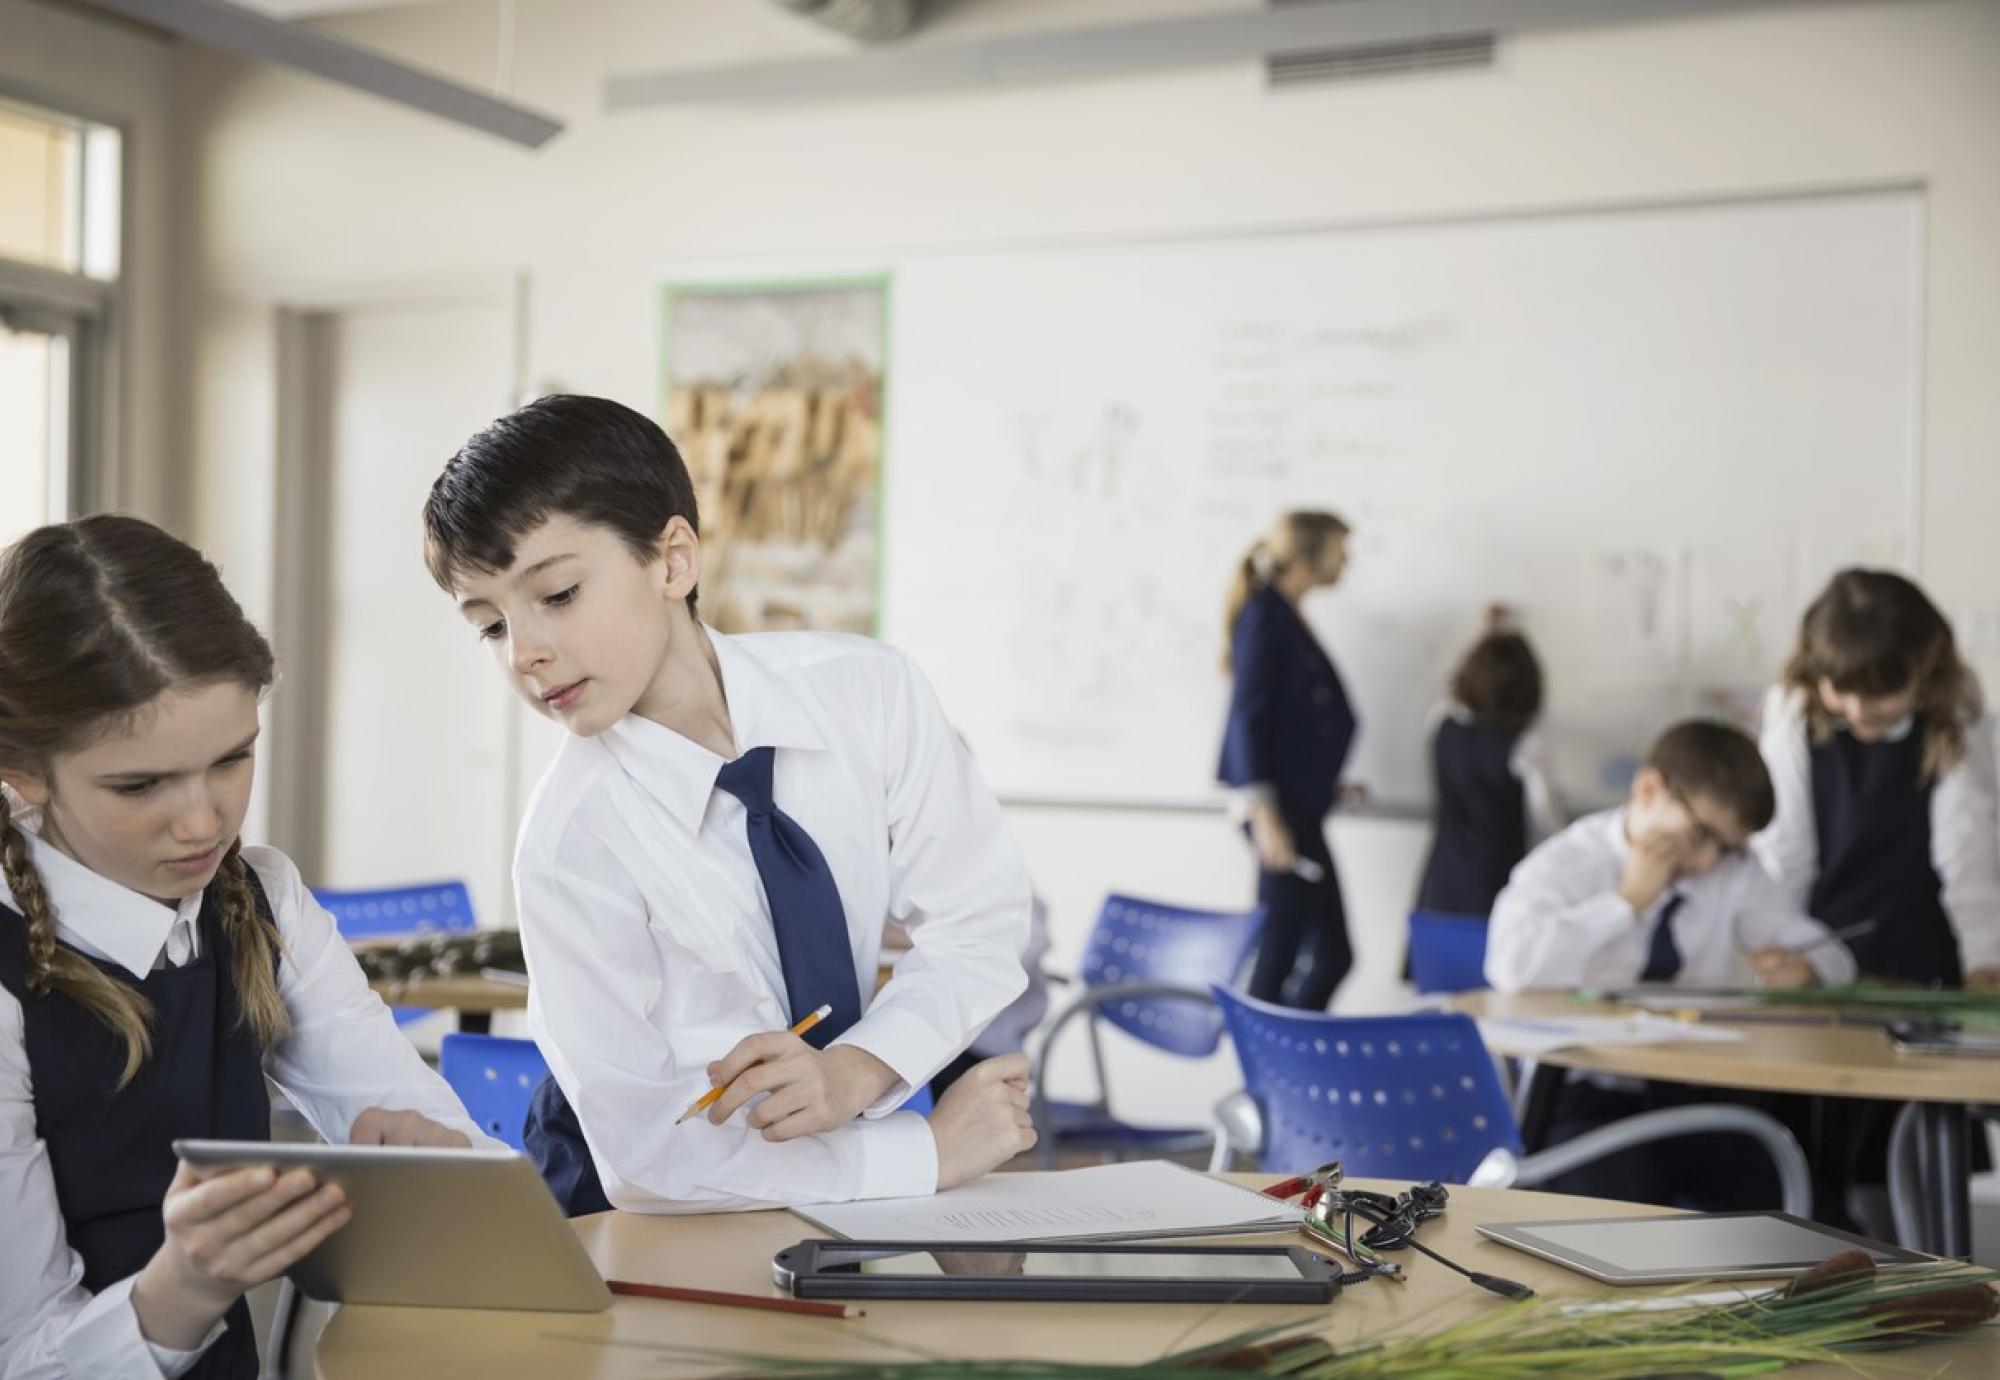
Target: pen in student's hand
x,y
707,1099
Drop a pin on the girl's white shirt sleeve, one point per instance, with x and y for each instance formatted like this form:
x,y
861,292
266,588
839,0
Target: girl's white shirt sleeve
x,y
1789,846
1965,848
344,1054
1531,766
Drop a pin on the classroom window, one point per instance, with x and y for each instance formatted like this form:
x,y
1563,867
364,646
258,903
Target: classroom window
x,y
34,430
60,250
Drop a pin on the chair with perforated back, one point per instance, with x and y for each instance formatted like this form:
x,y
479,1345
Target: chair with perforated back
x,y
495,1078
1417,1097
1146,971
426,908
1447,952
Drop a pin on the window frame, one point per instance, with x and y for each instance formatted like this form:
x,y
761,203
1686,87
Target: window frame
x,y
89,313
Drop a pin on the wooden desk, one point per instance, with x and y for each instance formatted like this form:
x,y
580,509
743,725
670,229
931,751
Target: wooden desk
x,y
734,1250
1821,1060
477,998
474,998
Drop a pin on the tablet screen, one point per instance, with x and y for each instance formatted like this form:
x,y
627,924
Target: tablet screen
x,y
1702,1244
1077,1264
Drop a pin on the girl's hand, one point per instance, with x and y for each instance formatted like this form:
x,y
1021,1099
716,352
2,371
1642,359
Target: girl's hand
x,y
380,1126
1276,850
225,1236
809,1090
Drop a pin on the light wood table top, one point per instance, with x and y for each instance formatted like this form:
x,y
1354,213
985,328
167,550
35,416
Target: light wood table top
x,y
453,993
1828,1059
475,993
733,1251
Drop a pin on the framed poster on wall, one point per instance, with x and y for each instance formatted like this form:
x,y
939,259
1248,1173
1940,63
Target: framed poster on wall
x,y
773,392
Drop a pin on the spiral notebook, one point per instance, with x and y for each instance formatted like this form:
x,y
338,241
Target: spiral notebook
x,y
1142,1200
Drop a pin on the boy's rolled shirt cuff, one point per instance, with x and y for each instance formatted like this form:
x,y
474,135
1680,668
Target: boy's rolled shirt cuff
x,y
907,1044
899,1158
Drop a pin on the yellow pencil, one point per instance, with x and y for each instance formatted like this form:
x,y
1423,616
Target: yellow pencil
x,y
707,1099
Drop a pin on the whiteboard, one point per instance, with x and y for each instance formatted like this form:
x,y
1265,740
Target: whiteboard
x,y
1653,430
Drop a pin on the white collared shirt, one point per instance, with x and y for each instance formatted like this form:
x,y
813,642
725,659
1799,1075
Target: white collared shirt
x,y
649,937
1560,921
1965,824
344,1054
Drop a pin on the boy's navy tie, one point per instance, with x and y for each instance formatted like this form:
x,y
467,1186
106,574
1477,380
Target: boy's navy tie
x,y
1663,960
814,952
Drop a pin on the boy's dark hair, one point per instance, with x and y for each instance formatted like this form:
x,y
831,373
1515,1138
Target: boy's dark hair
x,y
587,458
1500,681
1719,760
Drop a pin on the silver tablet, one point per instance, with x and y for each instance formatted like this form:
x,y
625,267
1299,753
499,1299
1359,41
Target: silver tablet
x,y
434,1228
1690,1246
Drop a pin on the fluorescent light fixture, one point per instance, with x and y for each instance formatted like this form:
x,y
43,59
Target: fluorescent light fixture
x,y
235,29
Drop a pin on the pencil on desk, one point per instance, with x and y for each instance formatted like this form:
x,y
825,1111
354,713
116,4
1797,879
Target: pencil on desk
x,y
707,1099
728,1300
1854,931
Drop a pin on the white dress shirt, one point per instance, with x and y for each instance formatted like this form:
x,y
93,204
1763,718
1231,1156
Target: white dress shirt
x,y
649,937
1965,824
1560,921
344,1054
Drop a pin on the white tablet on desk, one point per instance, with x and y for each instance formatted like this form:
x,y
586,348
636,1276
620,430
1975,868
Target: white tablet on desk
x,y
431,1227
1690,1246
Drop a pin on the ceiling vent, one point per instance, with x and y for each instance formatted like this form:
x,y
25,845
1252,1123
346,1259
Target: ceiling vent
x,y
1444,53
871,21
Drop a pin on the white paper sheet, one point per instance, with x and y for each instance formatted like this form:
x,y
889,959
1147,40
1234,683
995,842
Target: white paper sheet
x,y
1108,1202
1528,1036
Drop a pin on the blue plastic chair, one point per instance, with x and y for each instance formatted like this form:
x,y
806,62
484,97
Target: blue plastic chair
x,y
495,1078
427,908
1146,971
1447,952
1417,1097
1394,1097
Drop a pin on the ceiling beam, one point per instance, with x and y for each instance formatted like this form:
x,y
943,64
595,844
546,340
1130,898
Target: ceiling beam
x,y
1240,34
248,33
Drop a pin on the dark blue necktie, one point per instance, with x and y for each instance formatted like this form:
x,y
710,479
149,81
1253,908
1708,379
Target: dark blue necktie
x,y
1663,960
813,949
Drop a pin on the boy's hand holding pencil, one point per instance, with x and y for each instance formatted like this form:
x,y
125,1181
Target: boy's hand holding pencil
x,y
805,1090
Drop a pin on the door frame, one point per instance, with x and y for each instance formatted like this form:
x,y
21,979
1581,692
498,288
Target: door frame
x,y
302,550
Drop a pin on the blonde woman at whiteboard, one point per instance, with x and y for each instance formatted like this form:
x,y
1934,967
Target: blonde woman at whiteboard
x,y
1288,734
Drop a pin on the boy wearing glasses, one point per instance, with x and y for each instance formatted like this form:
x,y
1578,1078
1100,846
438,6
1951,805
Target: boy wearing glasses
x,y
1661,889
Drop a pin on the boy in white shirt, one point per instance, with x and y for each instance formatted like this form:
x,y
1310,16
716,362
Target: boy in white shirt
x,y
716,847
1662,889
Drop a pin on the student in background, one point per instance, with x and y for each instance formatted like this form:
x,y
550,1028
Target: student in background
x,y
1883,760
1489,773
153,973
717,848
1287,738
1662,889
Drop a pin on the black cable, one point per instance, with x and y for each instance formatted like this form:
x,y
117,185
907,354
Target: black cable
x,y
1395,1222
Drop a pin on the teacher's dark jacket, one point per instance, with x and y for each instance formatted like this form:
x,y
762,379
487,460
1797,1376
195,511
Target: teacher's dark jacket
x,y
1290,724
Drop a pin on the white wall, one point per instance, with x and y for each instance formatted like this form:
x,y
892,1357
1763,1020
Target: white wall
x,y
120,75
300,188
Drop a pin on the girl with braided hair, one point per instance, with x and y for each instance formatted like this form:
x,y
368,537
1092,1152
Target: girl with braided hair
x,y
153,972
